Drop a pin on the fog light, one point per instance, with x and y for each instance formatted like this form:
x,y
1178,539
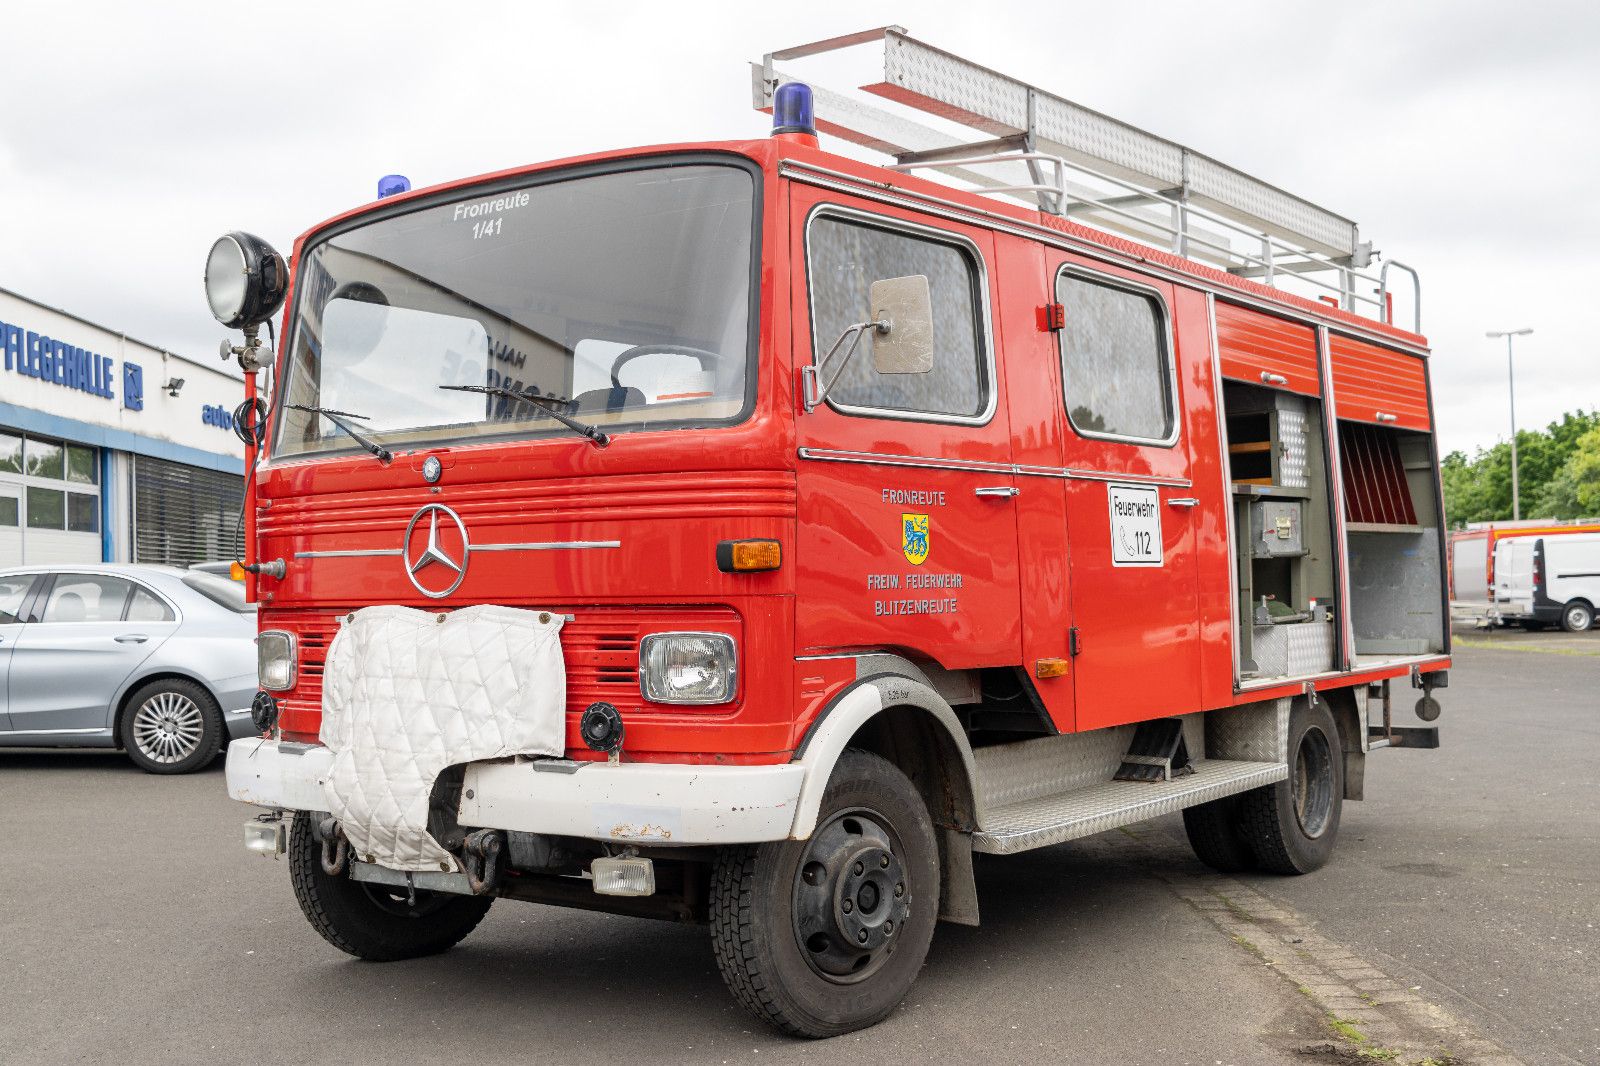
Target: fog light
x,y
624,876
265,836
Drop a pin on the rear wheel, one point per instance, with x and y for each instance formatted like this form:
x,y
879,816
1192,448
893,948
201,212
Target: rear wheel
x,y
825,936
171,726
1292,826
375,922
1216,834
1577,617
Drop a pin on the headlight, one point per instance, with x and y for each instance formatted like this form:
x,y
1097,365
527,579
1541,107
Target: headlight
x,y
687,667
275,660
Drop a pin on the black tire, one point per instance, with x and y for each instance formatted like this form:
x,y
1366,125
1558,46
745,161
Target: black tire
x,y
375,922
1216,833
1292,825
1577,617
793,966
171,726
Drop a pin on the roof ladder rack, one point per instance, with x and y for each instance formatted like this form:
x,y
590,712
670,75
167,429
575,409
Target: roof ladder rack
x,y
1071,161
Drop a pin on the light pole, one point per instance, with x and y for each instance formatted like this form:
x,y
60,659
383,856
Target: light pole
x,y
1511,377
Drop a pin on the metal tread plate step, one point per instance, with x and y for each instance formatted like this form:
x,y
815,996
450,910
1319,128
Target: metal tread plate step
x,y
1045,820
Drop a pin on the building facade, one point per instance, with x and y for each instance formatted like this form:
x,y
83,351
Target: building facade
x,y
112,450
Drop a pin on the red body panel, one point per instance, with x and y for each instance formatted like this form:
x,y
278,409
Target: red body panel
x,y
1005,579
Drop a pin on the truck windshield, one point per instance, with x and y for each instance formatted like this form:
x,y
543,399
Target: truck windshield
x,y
624,296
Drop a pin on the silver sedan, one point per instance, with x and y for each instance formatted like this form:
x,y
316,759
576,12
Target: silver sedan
x,y
152,659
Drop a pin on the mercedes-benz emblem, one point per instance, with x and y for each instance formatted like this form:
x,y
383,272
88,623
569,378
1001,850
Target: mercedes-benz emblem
x,y
431,469
439,555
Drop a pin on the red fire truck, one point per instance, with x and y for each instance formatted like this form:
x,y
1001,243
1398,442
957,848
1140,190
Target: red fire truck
x,y
745,534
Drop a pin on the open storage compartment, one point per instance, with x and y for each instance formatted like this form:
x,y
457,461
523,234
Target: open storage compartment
x,y
1391,512
1278,467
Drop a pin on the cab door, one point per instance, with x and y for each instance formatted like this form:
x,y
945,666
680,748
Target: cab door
x,y
906,535
1131,500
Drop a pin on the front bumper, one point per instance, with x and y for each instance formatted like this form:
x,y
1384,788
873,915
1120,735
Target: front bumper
x,y
646,803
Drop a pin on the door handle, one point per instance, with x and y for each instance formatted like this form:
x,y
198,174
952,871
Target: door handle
x,y
1001,491
1183,501
131,638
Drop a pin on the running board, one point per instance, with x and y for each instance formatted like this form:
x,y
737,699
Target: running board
x,y
1047,820
1034,793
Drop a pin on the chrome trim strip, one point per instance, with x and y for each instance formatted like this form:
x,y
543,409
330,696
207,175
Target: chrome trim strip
x,y
57,732
1229,525
973,466
549,545
357,554
1333,450
812,174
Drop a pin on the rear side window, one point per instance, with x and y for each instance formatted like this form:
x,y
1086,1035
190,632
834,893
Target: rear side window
x,y
1116,368
87,598
146,607
845,257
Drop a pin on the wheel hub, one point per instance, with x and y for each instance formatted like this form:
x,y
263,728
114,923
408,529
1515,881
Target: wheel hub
x,y
851,897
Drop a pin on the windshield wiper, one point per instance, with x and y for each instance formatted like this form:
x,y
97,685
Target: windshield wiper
x,y
384,455
545,404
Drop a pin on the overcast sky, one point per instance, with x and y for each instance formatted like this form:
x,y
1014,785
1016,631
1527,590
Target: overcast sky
x,y
1463,137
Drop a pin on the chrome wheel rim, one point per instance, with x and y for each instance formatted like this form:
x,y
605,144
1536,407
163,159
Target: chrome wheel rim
x,y
167,727
1577,619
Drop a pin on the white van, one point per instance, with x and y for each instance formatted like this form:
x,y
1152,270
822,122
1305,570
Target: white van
x,y
1548,581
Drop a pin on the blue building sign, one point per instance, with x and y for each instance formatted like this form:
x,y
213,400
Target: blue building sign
x,y
35,355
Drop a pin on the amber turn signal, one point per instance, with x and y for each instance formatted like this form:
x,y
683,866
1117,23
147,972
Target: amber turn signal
x,y
236,571
1050,668
748,556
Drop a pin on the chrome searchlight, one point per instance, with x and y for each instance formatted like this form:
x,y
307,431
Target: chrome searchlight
x,y
246,280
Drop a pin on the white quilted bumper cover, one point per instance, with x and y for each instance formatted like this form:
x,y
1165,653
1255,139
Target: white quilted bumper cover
x,y
406,693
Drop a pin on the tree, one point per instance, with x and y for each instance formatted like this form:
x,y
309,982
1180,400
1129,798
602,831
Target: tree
x,y
1558,472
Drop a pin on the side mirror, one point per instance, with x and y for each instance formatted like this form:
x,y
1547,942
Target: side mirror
x,y
246,280
905,305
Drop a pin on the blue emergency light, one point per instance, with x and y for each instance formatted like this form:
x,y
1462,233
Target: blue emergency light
x,y
390,184
791,109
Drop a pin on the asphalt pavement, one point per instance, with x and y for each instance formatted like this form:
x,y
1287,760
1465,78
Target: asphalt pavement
x,y
135,928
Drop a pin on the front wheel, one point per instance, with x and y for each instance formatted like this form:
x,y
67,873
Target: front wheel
x,y
824,936
1577,617
1291,826
375,922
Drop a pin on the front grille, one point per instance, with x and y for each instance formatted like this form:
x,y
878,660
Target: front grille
x,y
600,647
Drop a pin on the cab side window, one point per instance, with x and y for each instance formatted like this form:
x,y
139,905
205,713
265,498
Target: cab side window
x,y
1116,367
844,257
87,598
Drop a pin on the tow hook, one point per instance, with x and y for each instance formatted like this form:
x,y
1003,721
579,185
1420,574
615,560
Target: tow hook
x,y
335,848
480,859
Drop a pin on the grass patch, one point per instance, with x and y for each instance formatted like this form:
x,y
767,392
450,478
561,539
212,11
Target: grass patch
x,y
1378,1054
1537,649
1346,1029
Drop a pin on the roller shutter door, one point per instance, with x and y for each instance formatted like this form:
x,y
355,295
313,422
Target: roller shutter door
x,y
183,514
